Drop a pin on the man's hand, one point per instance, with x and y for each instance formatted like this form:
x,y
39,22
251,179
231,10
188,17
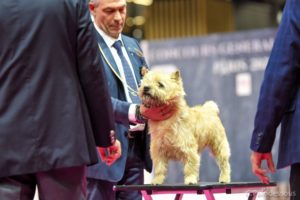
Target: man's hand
x,y
256,161
158,113
110,154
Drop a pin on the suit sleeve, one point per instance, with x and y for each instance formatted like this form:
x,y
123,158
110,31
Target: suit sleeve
x,y
281,79
121,109
92,79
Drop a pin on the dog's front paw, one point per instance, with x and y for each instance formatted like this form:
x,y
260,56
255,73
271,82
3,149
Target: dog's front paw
x,y
190,180
158,180
224,179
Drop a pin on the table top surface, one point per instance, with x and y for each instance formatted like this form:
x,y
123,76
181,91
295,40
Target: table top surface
x,y
200,186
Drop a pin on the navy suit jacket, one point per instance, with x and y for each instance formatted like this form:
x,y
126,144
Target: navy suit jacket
x,y
279,100
54,102
120,107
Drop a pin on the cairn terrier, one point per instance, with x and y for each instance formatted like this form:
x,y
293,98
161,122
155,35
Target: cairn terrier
x,y
184,135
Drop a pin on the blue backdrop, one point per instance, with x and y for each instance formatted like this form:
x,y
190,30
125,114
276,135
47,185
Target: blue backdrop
x,y
228,69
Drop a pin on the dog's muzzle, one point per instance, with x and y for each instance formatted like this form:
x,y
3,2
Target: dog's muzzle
x,y
146,91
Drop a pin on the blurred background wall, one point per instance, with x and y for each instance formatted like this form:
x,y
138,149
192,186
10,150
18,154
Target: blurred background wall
x,y
164,19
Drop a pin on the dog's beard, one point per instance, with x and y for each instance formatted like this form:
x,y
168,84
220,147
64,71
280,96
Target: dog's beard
x,y
151,101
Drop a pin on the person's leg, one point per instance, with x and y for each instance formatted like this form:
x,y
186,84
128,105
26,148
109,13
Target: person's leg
x,y
100,189
134,171
64,183
17,187
295,182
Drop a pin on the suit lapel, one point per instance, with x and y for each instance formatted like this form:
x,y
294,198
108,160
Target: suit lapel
x,y
130,51
110,60
131,54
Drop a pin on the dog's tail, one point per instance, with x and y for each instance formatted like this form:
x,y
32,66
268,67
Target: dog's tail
x,y
212,106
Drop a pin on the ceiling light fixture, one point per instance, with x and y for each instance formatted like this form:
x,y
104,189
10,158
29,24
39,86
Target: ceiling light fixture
x,y
141,2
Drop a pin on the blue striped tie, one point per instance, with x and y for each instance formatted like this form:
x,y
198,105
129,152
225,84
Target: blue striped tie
x,y
128,72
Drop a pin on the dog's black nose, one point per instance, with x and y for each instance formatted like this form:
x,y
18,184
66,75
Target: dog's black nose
x,y
146,89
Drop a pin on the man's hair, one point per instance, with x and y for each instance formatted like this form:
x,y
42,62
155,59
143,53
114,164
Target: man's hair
x,y
95,2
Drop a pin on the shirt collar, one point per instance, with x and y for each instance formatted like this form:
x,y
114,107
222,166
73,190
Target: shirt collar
x,y
108,40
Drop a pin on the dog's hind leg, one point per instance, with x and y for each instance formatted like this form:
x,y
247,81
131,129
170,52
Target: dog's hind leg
x,y
224,166
191,168
221,152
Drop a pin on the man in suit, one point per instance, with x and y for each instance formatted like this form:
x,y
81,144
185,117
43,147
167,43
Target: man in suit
x,y
279,102
123,63
54,103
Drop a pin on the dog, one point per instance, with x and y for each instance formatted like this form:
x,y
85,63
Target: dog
x,y
184,135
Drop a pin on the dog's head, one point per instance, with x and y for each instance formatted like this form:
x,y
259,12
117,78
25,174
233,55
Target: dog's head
x,y
158,88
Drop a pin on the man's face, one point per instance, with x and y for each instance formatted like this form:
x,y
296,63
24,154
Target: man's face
x,y
110,16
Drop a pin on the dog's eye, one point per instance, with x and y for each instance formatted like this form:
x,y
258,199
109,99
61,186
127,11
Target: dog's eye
x,y
160,85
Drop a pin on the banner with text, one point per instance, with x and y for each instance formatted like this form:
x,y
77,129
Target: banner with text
x,y
228,69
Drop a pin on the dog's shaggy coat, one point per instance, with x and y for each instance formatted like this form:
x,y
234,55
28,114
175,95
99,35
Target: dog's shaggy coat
x,y
183,136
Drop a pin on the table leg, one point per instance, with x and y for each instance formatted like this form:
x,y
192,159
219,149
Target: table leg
x,y
178,197
145,195
209,195
252,196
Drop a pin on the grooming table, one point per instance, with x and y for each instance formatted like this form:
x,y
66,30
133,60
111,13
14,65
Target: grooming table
x,y
207,189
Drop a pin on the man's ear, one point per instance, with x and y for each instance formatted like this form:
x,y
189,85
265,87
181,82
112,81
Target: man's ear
x,y
91,7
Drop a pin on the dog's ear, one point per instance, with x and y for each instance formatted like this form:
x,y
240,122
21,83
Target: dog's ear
x,y
176,75
144,70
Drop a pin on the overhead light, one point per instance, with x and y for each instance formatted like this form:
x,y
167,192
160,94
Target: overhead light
x,y
142,2
278,17
129,21
139,20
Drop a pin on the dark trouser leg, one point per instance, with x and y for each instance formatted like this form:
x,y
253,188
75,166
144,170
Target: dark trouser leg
x,y
17,187
62,184
100,189
134,171
295,182
103,190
